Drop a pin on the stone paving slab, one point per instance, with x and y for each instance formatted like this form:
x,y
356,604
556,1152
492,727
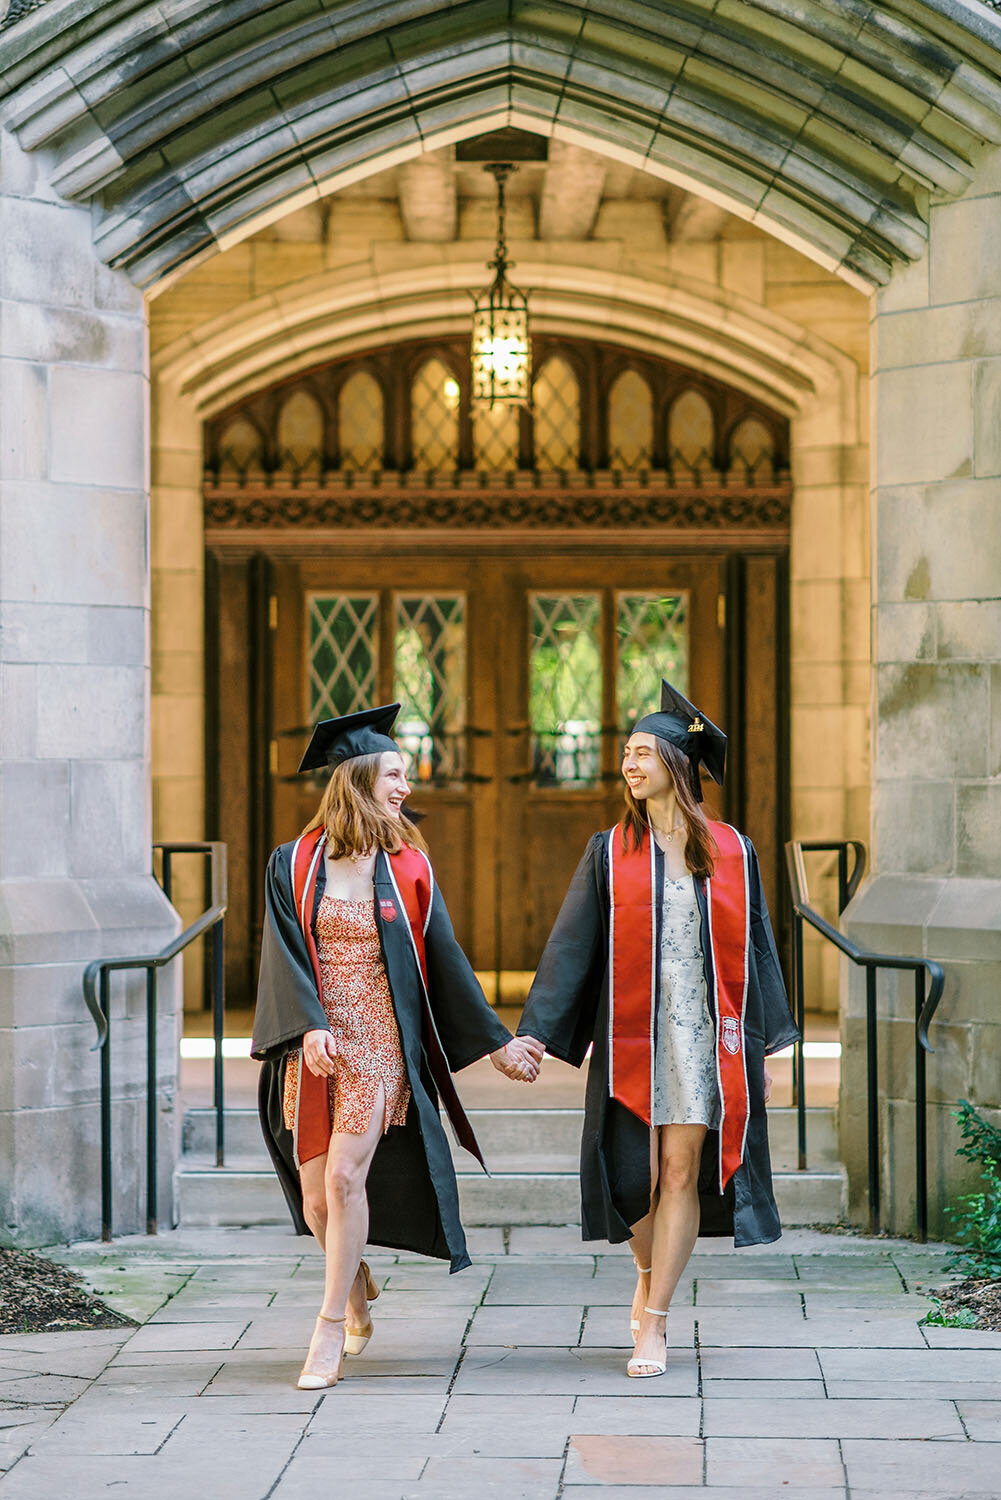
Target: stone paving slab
x,y
792,1373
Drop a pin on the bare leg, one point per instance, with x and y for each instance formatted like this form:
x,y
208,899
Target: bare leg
x,y
314,1207
641,1240
346,1170
675,1227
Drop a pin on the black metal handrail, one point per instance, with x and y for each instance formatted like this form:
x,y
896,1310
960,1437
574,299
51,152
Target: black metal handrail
x,y
96,992
926,1001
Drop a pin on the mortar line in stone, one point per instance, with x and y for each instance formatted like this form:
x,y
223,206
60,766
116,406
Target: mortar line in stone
x,y
242,1335
823,1377
903,1278
170,1434
295,1448
583,1320
462,1350
506,1239
959,1414
563,1467
802,1305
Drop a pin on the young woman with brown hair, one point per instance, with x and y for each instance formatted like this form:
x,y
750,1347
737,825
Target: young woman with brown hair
x,y
366,1006
662,961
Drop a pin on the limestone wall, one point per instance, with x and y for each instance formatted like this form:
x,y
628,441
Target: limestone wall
x,y
74,717
936,505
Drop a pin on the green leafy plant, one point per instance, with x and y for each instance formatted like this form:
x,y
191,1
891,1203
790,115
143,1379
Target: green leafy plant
x,y
977,1216
963,1317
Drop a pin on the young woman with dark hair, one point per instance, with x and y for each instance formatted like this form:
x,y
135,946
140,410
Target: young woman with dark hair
x,y
366,1006
662,962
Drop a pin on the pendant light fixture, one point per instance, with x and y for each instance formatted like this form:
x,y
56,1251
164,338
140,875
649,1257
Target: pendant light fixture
x,y
501,348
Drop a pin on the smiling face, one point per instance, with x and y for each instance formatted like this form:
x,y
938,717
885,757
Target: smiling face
x,y
645,772
391,788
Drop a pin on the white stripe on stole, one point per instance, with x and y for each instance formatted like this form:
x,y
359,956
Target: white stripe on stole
x,y
317,856
611,961
743,998
719,1074
431,886
653,961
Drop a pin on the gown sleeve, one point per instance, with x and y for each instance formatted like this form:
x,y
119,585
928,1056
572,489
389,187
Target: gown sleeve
x,y
468,1026
563,1001
287,1002
780,1028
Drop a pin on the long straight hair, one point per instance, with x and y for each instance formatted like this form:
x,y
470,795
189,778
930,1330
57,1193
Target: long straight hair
x,y
700,846
354,821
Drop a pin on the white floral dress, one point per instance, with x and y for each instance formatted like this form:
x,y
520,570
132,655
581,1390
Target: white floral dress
x,y
684,1069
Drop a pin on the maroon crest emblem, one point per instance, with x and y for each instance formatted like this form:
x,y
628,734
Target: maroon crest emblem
x,y
730,1035
387,910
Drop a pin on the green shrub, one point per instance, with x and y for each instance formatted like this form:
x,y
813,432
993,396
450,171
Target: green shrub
x,y
977,1216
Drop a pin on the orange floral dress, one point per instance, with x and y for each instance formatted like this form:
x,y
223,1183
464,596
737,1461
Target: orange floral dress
x,y
359,1007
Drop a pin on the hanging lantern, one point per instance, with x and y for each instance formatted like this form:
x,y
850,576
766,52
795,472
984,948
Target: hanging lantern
x,y
501,348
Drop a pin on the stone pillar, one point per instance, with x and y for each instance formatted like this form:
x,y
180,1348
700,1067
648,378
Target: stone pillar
x,y
936,828
75,879
829,644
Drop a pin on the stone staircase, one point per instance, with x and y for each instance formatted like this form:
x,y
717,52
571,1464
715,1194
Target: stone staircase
x,y
532,1156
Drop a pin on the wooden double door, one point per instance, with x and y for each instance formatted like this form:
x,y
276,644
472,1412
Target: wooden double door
x,y
520,677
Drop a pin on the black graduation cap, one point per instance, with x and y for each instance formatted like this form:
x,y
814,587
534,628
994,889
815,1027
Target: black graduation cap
x,y
681,724
365,733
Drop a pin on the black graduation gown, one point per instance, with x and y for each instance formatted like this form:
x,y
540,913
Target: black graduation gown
x,y
412,1193
567,1009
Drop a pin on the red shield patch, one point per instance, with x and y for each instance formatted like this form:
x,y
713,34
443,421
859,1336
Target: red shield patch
x,y
387,910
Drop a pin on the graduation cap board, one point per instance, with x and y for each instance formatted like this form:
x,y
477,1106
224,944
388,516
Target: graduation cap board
x,y
680,723
337,740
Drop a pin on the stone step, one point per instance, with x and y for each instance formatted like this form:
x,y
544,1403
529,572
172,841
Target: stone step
x,y
536,1190
507,1133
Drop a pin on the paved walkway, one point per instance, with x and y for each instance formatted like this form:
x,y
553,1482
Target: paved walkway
x,y
797,1370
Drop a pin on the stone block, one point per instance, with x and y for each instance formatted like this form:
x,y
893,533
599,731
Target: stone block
x,y
969,630
905,632
924,430
34,818
817,746
889,911
43,632
931,719
18,169
965,921
815,549
116,636
44,920
114,291
18,711
908,287
994,728
978,830
99,425
68,335
939,541
964,250
71,545
110,817
24,419
178,597
48,252
177,527
917,826
177,674
985,1060
987,408
939,335
178,726
91,712
815,608
742,268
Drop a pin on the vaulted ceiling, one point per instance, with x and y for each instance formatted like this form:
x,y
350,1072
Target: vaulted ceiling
x,y
191,123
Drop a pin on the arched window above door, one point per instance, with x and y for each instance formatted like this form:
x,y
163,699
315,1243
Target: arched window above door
x,y
496,433
360,423
752,449
241,448
691,434
434,418
300,434
630,423
556,408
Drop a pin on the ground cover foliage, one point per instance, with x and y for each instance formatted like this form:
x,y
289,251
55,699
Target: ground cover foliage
x,y
975,1302
36,1295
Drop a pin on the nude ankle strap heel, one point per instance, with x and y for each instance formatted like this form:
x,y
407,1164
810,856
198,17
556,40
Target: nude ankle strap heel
x,y
310,1382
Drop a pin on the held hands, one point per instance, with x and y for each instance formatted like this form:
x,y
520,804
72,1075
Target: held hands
x,y
319,1050
519,1059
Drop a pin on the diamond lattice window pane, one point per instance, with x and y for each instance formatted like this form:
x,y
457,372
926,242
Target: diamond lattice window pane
x,y
496,438
343,654
630,422
691,434
360,423
652,638
434,408
565,688
556,403
429,681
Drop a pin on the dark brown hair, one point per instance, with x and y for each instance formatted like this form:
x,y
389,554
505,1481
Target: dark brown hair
x,y
354,821
700,846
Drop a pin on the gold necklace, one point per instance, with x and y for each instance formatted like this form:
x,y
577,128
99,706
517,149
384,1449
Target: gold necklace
x,y
668,837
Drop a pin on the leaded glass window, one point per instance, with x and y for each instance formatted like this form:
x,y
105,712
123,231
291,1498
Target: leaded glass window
x,y
434,413
496,432
690,434
556,403
429,681
630,422
652,638
241,449
565,688
752,448
360,423
342,655
300,435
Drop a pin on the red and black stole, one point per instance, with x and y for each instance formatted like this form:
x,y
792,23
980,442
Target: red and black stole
x,y
413,883
633,971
